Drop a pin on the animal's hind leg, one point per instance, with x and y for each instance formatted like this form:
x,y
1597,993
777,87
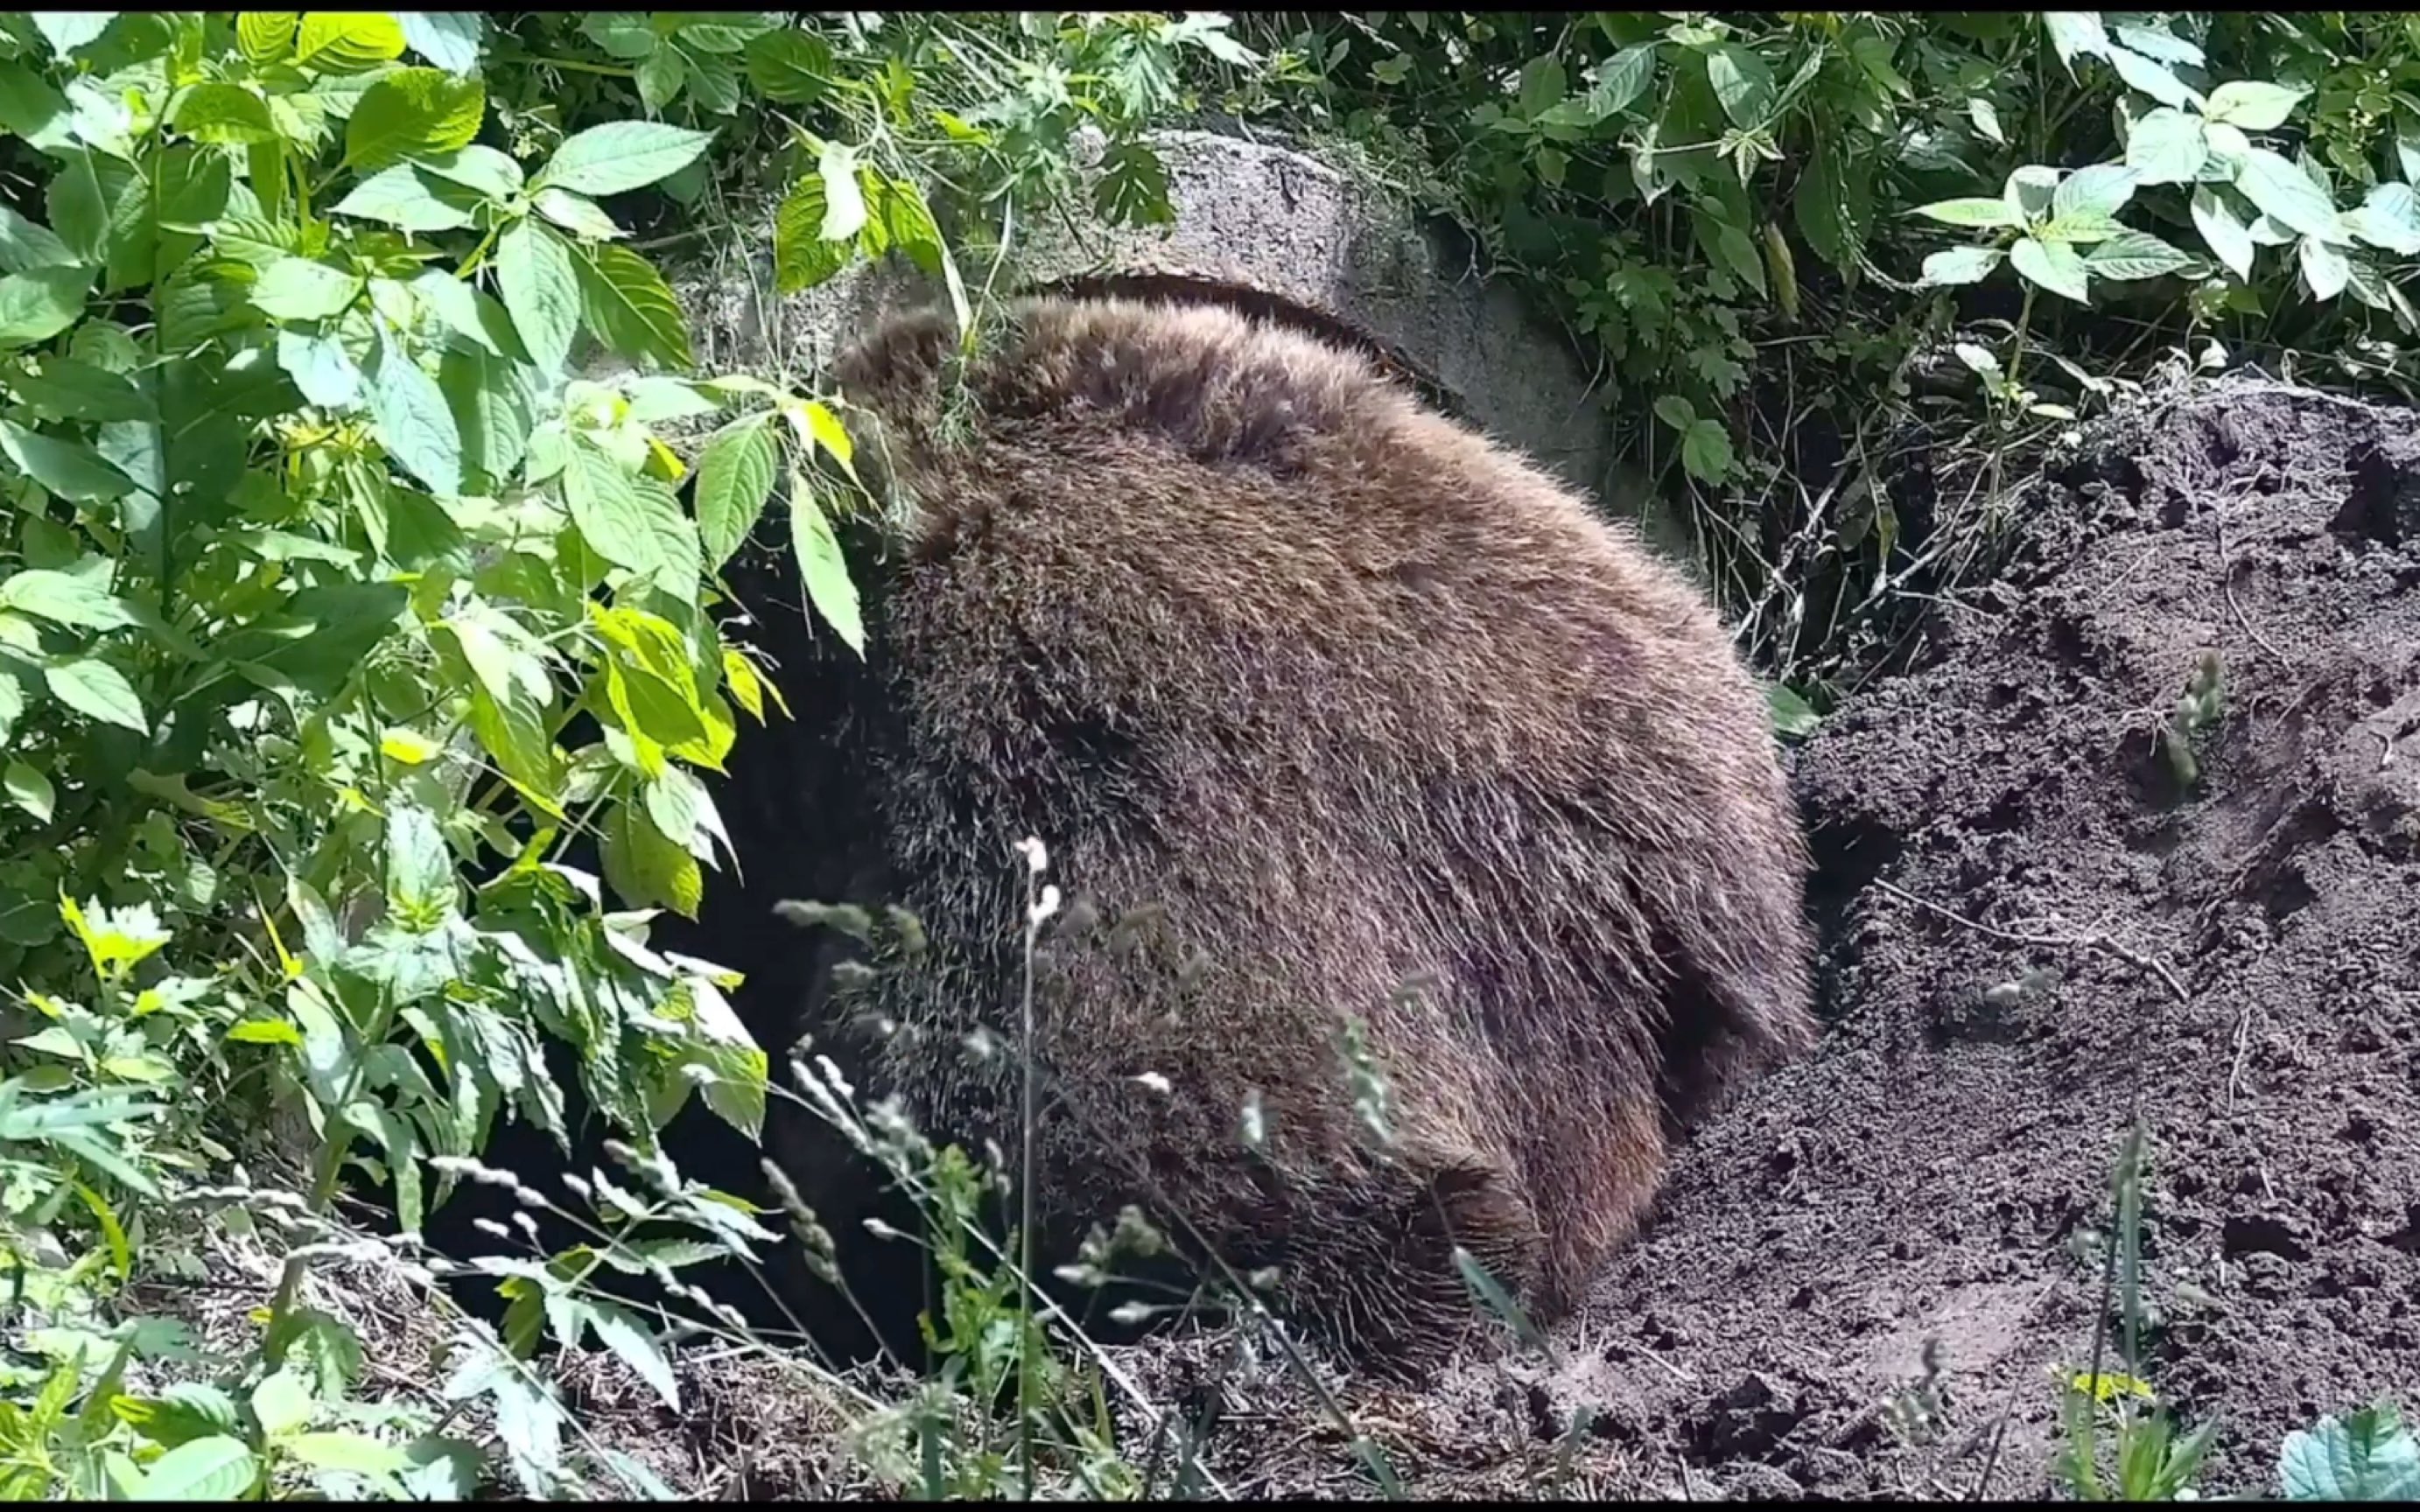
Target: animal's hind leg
x,y
1371,1262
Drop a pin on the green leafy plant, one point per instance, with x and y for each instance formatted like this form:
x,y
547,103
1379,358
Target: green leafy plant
x,y
2369,1457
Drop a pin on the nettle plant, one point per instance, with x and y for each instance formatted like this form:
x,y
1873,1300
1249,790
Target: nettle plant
x,y
317,551
2061,231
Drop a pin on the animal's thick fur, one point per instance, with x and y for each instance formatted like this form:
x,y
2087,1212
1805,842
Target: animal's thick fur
x,y
1359,699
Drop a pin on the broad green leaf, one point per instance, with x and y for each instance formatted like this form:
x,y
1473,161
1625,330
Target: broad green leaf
x,y
2079,227
356,1452
1622,78
348,41
62,388
612,515
844,197
801,258
29,244
1676,411
283,1402
216,1469
419,868
2157,45
2135,255
40,303
79,204
320,367
414,421
674,800
71,31
735,478
481,169
1986,117
31,791
2222,231
822,567
2388,219
621,156
410,113
65,598
2103,189
96,690
542,290
224,115
1794,717
2146,77
1976,211
575,213
2029,191
626,303
71,470
1742,85
2075,33
495,405
788,66
449,38
1961,265
1706,450
637,1348
2284,193
2167,147
2369,1457
2053,265
400,197
660,76
2250,105
265,36
298,289
2325,269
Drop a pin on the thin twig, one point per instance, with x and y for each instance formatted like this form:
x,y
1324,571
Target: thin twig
x,y
2104,944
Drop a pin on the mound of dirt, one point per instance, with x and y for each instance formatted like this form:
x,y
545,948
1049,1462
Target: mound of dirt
x,y
2237,955
2034,925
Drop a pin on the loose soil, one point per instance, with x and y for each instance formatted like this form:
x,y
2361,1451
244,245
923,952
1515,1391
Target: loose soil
x,y
2033,930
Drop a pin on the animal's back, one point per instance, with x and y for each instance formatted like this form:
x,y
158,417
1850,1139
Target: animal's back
x,y
1241,631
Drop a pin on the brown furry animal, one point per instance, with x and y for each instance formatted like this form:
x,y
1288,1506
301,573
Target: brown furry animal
x,y
1241,631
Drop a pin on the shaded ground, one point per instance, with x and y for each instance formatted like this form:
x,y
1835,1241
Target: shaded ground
x,y
1939,1169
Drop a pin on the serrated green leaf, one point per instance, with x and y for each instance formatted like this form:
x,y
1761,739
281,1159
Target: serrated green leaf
x,y
71,470
400,197
30,790
65,598
2075,33
40,303
575,215
224,115
801,258
2147,77
648,870
542,290
626,303
2250,105
25,245
822,567
2325,269
97,690
1742,85
1973,211
2388,219
281,1403
64,388
2167,147
2052,265
2284,193
2135,255
411,113
637,1348
414,421
449,38
660,76
789,66
495,405
298,289
2102,189
1706,450
348,41
621,156
735,478
320,367
2368,1457
481,169
265,36
71,31
2223,231
419,868
216,1469
1954,265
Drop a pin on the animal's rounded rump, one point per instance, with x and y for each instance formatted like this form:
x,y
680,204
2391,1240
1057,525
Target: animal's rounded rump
x,y
1334,712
